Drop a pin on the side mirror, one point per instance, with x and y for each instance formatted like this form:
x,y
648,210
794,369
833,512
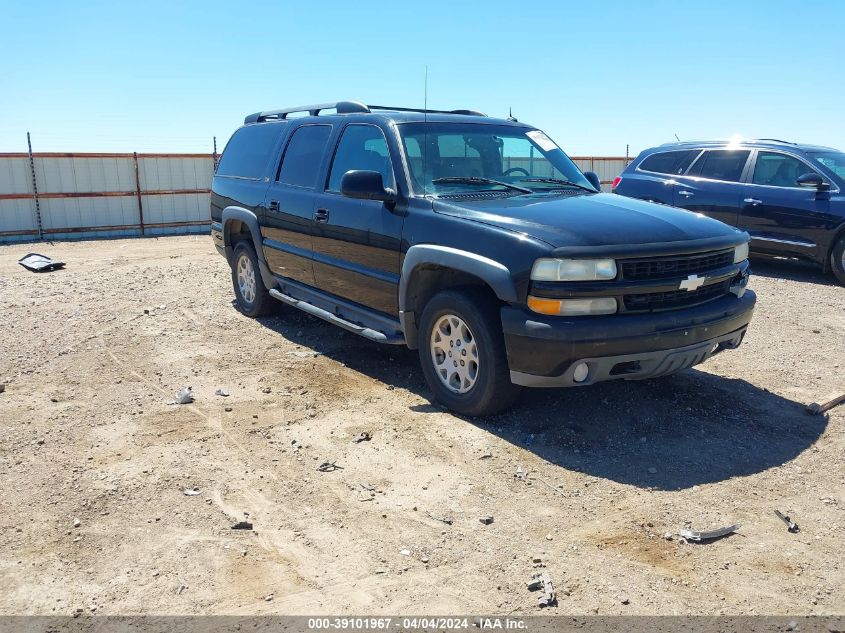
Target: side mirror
x,y
810,180
366,185
594,179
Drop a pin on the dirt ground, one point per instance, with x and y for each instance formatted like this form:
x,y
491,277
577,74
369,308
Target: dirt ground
x,y
94,462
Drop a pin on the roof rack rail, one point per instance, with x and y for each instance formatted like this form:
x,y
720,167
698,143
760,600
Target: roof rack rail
x,y
395,109
775,140
342,107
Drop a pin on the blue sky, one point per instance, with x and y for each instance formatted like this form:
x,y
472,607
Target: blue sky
x,y
167,76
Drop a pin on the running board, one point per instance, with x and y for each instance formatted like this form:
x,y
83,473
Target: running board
x,y
369,333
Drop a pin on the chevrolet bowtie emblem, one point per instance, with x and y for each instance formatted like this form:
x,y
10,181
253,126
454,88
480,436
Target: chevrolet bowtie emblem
x,y
693,282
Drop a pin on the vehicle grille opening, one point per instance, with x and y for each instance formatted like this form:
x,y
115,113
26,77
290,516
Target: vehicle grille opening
x,y
675,266
652,301
629,367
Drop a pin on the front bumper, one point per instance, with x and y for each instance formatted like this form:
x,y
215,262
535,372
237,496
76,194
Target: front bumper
x,y
544,351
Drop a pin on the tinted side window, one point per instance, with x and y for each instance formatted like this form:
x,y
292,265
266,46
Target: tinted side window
x,y
303,156
778,170
361,147
669,162
248,151
720,165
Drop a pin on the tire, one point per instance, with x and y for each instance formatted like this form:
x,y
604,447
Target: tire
x,y
252,297
837,260
466,320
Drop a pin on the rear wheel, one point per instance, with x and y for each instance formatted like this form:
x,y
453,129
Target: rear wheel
x,y
252,297
837,260
462,353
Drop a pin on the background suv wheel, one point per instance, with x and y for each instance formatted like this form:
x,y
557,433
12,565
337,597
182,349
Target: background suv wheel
x,y
837,260
462,352
252,297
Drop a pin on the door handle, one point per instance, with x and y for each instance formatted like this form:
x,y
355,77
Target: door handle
x,y
274,205
686,194
752,201
321,216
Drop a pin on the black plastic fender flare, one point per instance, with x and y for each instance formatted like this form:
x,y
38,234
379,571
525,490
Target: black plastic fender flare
x,y
251,220
493,273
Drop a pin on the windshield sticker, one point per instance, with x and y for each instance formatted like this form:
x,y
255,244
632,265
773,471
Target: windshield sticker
x,y
546,144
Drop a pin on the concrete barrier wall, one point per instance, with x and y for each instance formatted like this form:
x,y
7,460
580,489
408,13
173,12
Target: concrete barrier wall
x,y
82,196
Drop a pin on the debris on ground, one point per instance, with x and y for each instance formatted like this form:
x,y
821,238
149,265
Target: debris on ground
x,y
364,436
550,486
191,492
818,409
445,519
327,467
242,525
520,474
39,263
405,552
486,520
543,582
708,535
183,396
790,524
222,392
2,387
76,523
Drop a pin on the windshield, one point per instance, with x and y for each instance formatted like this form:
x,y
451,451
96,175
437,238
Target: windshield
x,y
465,158
834,161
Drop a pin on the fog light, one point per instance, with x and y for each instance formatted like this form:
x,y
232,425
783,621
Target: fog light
x,y
581,372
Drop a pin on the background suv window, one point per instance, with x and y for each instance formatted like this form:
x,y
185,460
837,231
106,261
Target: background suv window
x,y
719,164
361,147
248,151
301,163
669,162
778,170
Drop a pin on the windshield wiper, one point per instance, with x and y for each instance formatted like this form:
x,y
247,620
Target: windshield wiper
x,y
559,181
472,180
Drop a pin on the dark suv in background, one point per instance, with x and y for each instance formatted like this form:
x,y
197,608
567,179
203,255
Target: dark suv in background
x,y
788,197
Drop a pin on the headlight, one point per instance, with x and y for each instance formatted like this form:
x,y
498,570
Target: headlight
x,y
572,307
573,269
741,253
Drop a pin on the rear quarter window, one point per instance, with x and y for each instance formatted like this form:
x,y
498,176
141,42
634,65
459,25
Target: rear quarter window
x,y
669,162
720,164
248,151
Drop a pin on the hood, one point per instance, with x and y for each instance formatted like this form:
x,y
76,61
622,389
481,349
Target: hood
x,y
602,219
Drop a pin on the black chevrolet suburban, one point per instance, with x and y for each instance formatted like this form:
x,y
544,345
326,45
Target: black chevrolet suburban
x,y
475,240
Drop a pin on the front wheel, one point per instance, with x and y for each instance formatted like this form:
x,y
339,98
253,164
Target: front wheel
x,y
837,260
252,297
462,353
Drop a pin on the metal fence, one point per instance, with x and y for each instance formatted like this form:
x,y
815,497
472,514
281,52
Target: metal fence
x,y
79,196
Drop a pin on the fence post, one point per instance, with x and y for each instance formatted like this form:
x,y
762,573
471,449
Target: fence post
x,y
35,189
138,192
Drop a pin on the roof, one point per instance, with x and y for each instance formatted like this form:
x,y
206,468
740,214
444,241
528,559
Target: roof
x,y
759,142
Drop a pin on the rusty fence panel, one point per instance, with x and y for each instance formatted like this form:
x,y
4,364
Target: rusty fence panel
x,y
103,195
123,195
